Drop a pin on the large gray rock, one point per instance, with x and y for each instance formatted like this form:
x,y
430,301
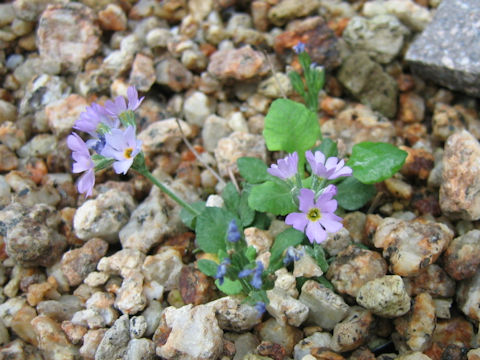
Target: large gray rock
x,y
447,52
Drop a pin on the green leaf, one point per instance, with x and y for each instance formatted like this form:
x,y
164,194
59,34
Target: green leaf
x,y
288,237
322,280
374,162
271,197
229,287
290,126
231,198
297,83
211,229
352,194
318,254
251,253
328,147
253,170
188,218
208,267
245,212
261,221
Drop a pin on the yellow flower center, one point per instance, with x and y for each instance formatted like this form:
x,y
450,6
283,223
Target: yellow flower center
x,y
128,153
314,214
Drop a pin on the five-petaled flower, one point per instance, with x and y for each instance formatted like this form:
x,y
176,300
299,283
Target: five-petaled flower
x,y
82,163
122,146
330,169
257,272
285,168
316,218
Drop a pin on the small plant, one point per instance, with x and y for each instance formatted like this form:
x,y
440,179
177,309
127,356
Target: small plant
x,y
308,186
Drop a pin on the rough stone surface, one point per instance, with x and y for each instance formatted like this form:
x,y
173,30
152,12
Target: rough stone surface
x,y
289,9
326,308
421,323
386,296
286,309
173,74
51,339
68,34
410,246
285,335
381,36
177,335
433,280
234,315
316,340
353,331
143,74
444,53
164,268
214,128
367,81
460,187
462,256
163,136
115,341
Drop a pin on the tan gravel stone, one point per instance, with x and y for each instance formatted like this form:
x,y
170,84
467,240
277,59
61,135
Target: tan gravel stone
x,y
462,257
421,323
353,331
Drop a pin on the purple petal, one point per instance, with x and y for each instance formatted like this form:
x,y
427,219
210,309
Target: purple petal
x,y
331,222
116,139
298,220
82,164
86,182
306,199
75,143
328,206
110,152
129,136
315,232
133,101
121,167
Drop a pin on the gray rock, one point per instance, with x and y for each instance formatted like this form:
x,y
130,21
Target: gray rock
x,y
444,53
386,296
152,315
173,74
468,296
381,36
140,349
316,340
115,341
367,81
245,344
184,326
213,130
104,216
61,309
460,187
138,326
232,314
326,308
286,309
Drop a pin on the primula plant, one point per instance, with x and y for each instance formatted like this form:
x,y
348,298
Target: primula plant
x,y
309,188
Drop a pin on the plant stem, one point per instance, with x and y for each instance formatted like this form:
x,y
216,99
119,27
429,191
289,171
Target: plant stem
x,y
169,192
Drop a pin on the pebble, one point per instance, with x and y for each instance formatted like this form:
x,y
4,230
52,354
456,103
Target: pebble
x,y
7,12
306,345
421,323
236,145
11,136
112,18
51,339
326,307
40,145
21,325
195,287
287,282
462,257
381,36
115,341
91,340
306,266
130,297
163,136
68,34
286,10
357,124
9,159
138,326
62,114
399,188
177,334
446,121
367,81
284,335
458,195
468,296
197,107
122,262
164,268
451,338
8,111
433,280
74,333
142,75
276,86
173,74
354,267
143,349
60,310
286,309
418,164
152,315
385,296
78,263
104,216
353,331
214,128
413,15
240,64
234,315
410,246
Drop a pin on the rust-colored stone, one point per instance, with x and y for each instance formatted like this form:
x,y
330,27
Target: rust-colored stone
x,y
418,164
457,332
272,350
195,287
325,354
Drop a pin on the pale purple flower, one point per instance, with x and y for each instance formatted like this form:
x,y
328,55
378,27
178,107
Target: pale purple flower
x,y
285,168
222,270
256,281
316,218
233,235
292,255
119,105
299,48
330,169
260,307
82,163
91,117
122,146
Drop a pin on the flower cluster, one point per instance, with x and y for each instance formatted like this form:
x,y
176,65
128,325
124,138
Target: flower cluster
x,y
112,144
317,207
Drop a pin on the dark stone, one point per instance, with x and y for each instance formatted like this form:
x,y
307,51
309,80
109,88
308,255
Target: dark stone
x,y
447,52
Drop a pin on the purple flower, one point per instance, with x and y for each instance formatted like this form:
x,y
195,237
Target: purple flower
x,y
91,117
292,255
82,162
330,169
233,235
260,307
286,167
316,217
256,281
222,270
119,105
123,146
299,48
